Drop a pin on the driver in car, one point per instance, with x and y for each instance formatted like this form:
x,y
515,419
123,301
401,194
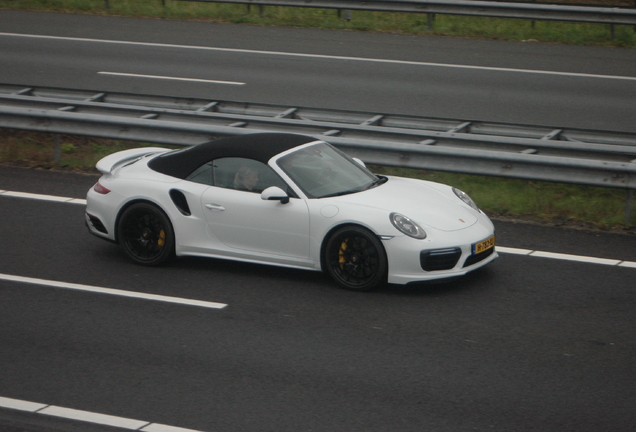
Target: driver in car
x,y
246,179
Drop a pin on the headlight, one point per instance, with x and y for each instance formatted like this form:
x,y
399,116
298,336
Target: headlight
x,y
407,226
464,197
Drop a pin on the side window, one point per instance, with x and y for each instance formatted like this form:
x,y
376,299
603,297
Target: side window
x,y
237,173
203,174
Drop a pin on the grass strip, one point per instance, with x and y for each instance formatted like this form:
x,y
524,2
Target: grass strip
x,y
415,24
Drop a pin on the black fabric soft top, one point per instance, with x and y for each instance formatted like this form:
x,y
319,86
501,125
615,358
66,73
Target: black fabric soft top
x,y
259,146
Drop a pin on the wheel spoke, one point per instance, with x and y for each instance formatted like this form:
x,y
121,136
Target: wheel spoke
x,y
144,235
356,260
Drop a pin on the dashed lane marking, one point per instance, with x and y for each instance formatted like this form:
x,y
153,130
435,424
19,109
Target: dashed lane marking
x,y
111,291
87,416
323,56
41,197
501,249
566,257
132,75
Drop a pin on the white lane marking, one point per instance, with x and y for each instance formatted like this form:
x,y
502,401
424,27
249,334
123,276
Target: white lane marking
x,y
578,258
514,251
91,417
157,427
21,405
87,416
567,257
132,75
502,249
111,291
329,57
43,197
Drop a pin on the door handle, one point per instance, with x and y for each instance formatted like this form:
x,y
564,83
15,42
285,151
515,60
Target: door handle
x,y
216,207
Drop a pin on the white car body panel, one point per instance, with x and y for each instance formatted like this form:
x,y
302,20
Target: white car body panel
x,y
243,221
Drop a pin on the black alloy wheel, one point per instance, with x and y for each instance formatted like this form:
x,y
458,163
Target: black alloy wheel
x,y
145,234
356,259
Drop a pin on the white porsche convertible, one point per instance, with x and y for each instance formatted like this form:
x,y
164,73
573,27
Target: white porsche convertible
x,y
287,200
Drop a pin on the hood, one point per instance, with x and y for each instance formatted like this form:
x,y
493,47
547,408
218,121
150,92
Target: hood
x,y
426,203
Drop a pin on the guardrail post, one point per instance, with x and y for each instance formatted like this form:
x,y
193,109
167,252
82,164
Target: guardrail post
x,y
532,23
430,19
106,4
628,206
347,14
261,8
57,152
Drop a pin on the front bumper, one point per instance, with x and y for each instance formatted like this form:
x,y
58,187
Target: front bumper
x,y
449,255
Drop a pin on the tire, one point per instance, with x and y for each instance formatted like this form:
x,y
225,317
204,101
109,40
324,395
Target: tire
x,y
355,258
145,234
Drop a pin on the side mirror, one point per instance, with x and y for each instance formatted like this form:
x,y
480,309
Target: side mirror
x,y
274,193
359,162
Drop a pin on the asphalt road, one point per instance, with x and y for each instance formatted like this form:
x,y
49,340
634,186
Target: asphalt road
x,y
526,344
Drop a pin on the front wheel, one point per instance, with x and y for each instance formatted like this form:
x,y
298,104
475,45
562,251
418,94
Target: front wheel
x,y
355,259
145,234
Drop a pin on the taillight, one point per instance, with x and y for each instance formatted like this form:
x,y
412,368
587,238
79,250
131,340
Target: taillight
x,y
100,189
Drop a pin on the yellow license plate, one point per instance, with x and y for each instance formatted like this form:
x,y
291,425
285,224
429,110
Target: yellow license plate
x,y
484,245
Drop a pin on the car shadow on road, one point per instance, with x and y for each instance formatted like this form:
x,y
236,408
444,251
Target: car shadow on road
x,y
243,274
477,281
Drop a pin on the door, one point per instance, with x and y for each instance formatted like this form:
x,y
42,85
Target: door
x,y
241,220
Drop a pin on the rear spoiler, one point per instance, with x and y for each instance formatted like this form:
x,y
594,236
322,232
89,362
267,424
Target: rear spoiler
x,y
106,164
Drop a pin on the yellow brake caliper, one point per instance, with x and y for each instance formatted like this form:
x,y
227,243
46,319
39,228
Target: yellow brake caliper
x,y
342,259
162,238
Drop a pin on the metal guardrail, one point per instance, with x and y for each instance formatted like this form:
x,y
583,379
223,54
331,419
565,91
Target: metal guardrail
x,y
531,11
579,156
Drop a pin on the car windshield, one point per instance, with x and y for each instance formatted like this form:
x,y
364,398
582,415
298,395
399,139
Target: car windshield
x,y
322,171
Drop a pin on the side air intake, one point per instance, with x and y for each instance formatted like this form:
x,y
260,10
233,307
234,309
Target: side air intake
x,y
180,201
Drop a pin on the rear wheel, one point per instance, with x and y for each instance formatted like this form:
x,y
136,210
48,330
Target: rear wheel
x,y
145,234
355,258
